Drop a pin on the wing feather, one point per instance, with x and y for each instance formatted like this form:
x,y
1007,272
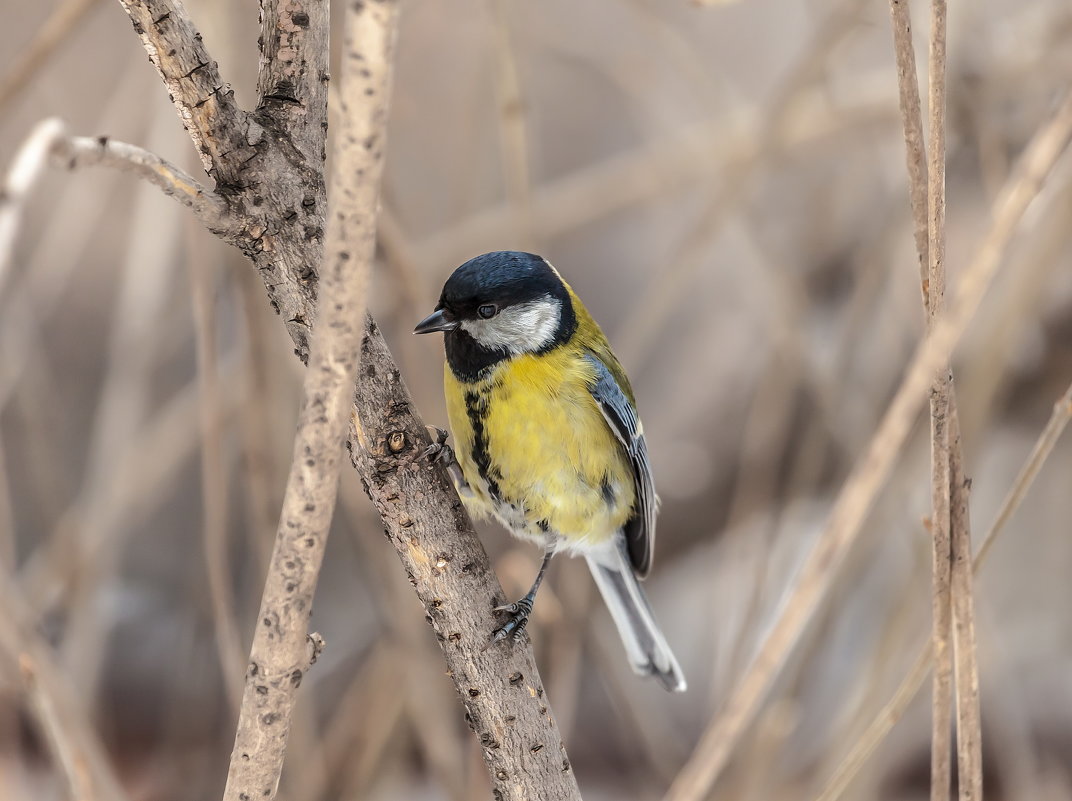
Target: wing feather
x,y
621,416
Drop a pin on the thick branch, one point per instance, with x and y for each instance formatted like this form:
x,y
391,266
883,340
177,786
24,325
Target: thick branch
x,y
278,658
292,82
205,103
500,687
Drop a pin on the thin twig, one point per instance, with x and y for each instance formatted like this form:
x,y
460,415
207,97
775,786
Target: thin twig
x,y
279,656
855,499
81,151
910,686
49,139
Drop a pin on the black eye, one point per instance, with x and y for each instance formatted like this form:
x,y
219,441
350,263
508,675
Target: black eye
x,y
487,311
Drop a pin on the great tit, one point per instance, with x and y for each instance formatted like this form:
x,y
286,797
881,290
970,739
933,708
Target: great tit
x,y
548,439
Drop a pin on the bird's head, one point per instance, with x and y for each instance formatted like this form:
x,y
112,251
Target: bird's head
x,y
506,302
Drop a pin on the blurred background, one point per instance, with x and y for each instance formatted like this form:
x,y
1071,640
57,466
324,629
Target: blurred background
x,y
725,187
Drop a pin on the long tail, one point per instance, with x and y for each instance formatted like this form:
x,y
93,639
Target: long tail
x,y
644,643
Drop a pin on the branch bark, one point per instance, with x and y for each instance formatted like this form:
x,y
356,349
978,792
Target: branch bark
x,y
292,80
205,104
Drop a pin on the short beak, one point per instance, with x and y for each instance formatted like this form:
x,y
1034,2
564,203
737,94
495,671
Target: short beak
x,y
439,320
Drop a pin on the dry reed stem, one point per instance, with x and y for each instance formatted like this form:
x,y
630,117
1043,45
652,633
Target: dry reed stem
x,y
694,154
965,657
61,718
912,120
214,474
949,521
953,606
59,25
940,403
666,286
279,656
894,709
26,167
513,131
855,499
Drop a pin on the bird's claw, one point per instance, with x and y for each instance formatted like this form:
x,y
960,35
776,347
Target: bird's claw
x,y
514,628
439,452
439,449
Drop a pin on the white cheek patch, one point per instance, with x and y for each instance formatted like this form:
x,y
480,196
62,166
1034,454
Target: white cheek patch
x,y
523,328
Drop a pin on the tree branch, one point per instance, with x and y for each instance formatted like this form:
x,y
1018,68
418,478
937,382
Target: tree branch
x,y
204,102
500,687
292,81
276,195
278,658
74,152
49,138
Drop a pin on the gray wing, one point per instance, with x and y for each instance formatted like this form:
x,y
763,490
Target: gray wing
x,y
622,418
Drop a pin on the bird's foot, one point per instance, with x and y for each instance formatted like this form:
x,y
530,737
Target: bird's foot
x,y
439,449
440,452
514,627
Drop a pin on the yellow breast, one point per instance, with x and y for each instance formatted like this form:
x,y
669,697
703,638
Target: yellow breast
x,y
537,451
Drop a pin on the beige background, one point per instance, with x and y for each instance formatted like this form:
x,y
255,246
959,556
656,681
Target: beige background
x,y
725,188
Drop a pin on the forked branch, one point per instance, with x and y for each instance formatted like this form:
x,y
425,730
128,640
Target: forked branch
x,y
268,167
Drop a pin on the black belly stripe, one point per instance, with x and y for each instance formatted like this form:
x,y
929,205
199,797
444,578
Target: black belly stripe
x,y
476,408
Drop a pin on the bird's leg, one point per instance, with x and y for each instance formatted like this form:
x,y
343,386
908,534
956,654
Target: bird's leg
x,y
519,611
440,451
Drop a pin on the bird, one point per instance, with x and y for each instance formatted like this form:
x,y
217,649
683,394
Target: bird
x,y
547,439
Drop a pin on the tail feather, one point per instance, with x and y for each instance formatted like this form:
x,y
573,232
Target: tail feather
x,y
644,643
